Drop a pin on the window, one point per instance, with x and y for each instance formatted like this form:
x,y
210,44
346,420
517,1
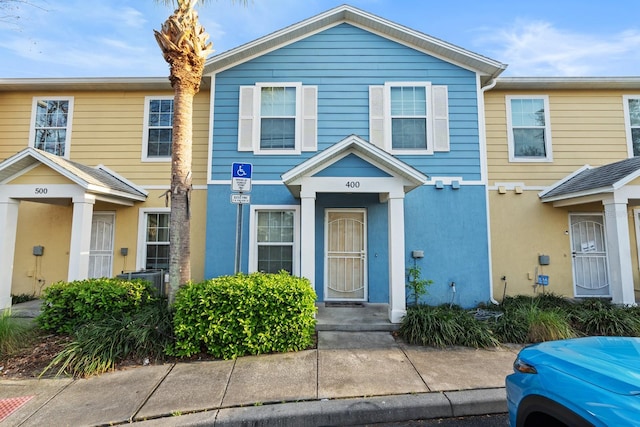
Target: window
x,y
51,125
153,251
529,134
632,118
274,239
277,118
158,128
409,117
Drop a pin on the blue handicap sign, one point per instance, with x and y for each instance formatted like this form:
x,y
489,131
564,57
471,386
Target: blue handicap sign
x,y
241,170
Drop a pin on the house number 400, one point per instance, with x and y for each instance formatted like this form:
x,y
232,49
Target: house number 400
x,y
353,184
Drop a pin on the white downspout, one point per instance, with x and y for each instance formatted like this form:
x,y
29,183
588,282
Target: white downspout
x,y
485,174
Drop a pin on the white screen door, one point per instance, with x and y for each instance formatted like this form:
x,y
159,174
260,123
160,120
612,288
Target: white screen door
x,y
101,250
588,247
345,254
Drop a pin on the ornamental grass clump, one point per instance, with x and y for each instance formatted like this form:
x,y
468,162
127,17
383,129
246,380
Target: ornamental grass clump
x,y
98,346
13,333
232,316
443,326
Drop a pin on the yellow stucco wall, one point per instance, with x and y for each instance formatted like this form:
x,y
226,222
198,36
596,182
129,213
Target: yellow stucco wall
x,y
107,129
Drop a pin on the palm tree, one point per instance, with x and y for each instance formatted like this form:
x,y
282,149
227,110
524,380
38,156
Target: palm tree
x,y
185,47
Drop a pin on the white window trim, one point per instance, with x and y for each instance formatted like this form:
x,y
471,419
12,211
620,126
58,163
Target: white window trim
x,y
258,122
253,235
145,130
547,131
32,129
627,122
141,253
387,117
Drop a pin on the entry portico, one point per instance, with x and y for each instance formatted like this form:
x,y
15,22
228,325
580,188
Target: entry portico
x,y
37,176
333,171
617,187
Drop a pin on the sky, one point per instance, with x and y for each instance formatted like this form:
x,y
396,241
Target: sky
x,y
114,38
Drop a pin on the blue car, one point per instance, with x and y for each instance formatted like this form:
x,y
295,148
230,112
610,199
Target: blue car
x,y
592,381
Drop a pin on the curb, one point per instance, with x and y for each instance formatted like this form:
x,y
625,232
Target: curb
x,y
355,411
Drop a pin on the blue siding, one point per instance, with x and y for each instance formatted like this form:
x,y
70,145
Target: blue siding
x,y
450,226
343,62
350,166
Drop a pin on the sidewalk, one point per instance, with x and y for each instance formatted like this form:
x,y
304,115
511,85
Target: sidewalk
x,y
351,378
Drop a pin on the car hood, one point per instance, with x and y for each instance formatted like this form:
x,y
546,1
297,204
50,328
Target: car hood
x,y
612,363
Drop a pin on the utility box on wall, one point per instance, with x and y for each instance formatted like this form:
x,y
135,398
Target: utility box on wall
x,y
38,250
543,259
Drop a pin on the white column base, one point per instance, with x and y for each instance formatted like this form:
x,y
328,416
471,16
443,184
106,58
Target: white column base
x,y
618,253
80,238
8,227
397,269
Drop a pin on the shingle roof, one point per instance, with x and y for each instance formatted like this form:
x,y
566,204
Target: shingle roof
x,y
603,178
97,179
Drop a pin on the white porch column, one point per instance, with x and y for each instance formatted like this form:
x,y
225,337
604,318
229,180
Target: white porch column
x,y
80,237
397,291
8,227
619,252
308,236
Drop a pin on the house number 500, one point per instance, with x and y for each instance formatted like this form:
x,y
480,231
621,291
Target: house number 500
x,y
353,184
41,190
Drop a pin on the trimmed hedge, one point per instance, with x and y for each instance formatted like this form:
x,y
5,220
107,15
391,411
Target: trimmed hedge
x,y
232,316
69,305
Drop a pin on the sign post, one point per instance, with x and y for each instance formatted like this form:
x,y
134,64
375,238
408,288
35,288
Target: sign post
x,y
240,182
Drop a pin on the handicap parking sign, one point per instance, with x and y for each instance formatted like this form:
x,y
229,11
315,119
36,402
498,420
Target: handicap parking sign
x,y
241,176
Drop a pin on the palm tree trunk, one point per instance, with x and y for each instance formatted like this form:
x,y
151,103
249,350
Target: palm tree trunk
x,y
180,223
185,47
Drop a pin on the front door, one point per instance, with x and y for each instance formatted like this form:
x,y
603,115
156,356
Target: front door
x,y
345,255
589,251
101,250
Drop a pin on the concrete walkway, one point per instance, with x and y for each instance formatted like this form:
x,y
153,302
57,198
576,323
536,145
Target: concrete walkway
x,y
352,378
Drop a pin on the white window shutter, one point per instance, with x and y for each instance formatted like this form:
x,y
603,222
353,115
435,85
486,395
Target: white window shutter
x,y
309,118
440,98
246,118
376,116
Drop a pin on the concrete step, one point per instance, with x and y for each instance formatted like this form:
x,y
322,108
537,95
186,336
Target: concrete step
x,y
352,317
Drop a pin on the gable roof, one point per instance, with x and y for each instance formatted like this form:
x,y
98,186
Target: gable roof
x,y
588,180
363,149
99,179
486,67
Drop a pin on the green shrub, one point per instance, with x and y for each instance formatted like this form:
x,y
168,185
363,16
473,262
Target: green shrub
x,y
98,346
13,333
442,326
598,317
232,316
68,305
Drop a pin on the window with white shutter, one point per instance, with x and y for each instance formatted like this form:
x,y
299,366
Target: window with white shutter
x,y
409,117
277,118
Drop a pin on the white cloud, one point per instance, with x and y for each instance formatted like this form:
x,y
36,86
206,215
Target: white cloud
x,y
540,49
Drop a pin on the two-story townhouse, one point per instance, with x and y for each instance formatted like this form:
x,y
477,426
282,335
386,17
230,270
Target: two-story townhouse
x,y
366,141
86,166
564,191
